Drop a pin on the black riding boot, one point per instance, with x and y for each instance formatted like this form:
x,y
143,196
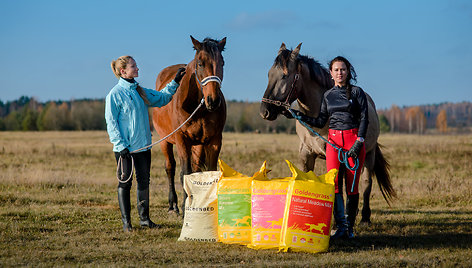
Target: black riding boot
x,y
125,208
351,209
143,209
339,217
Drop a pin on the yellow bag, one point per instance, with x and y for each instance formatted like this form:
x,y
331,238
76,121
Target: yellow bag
x,y
308,211
267,210
234,206
200,207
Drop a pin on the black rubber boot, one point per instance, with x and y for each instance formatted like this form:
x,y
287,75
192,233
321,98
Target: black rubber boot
x,y
125,208
352,209
339,217
143,209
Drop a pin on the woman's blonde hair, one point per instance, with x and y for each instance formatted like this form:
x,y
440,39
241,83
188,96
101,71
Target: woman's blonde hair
x,y
121,63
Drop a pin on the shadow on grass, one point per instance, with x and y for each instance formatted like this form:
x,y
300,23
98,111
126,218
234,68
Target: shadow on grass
x,y
412,211
435,229
426,241
430,222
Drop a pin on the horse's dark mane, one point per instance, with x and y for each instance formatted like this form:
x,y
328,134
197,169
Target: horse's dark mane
x,y
210,45
317,72
282,58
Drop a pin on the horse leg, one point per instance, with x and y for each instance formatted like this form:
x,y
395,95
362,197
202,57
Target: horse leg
x,y
212,151
307,158
184,150
198,158
367,178
166,148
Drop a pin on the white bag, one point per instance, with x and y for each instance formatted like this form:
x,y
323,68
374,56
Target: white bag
x,y
201,207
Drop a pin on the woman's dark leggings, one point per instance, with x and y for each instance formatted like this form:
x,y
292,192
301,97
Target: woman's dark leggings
x,y
142,167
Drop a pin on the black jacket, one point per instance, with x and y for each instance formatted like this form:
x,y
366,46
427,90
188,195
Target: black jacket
x,y
343,113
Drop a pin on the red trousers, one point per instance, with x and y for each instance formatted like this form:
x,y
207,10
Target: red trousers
x,y
344,139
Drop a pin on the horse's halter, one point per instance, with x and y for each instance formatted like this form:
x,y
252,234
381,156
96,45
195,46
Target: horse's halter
x,y
206,80
286,103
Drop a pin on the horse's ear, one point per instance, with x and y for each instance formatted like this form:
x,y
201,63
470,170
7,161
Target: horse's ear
x,y
282,48
296,51
221,44
196,44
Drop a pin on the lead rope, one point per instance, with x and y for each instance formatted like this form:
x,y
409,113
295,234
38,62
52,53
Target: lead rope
x,y
120,161
342,154
205,81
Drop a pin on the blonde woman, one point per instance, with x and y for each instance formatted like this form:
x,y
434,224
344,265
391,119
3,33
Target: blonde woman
x,y
126,114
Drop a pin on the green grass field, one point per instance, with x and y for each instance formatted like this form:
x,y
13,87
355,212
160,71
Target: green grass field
x,y
58,206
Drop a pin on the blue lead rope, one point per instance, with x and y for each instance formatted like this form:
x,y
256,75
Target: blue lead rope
x,y
342,154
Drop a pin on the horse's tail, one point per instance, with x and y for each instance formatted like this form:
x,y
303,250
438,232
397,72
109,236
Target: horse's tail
x,y
382,173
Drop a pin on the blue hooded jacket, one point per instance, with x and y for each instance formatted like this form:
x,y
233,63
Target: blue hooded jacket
x,y
127,117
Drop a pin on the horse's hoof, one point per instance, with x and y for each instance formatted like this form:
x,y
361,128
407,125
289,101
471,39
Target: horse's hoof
x,y
365,223
173,212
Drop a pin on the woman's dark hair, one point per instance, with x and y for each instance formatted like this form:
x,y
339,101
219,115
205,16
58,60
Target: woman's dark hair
x,y
351,76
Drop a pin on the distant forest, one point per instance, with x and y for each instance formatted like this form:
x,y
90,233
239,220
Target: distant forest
x,y
27,114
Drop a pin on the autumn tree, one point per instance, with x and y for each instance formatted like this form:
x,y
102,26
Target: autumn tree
x,y
55,117
395,113
48,117
411,116
441,121
87,115
416,119
421,122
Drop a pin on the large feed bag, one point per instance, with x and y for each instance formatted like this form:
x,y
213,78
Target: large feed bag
x,y
308,211
267,208
234,206
200,220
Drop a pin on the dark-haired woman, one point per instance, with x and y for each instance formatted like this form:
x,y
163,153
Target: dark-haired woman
x,y
345,106
126,114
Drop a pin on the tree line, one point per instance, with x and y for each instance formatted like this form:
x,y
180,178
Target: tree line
x,y
28,114
438,118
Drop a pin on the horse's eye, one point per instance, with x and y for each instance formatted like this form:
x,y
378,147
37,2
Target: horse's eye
x,y
284,76
200,64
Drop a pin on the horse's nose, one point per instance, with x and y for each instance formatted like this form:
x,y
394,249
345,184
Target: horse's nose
x,y
212,103
267,112
263,111
264,114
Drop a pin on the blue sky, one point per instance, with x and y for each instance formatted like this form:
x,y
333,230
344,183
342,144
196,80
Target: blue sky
x,y
404,52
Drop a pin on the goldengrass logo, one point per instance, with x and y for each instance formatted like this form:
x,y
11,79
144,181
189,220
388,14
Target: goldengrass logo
x,y
269,191
310,194
234,190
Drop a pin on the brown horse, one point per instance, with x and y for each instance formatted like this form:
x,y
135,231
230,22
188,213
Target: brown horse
x,y
198,141
296,77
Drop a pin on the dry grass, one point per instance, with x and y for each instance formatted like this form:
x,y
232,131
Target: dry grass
x,y
58,206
